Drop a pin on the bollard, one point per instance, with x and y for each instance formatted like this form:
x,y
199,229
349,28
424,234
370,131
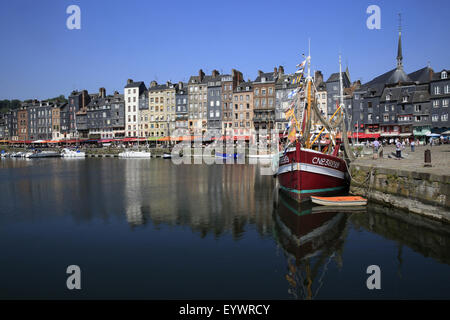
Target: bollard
x,y
427,159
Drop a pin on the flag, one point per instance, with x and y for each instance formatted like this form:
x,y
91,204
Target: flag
x,y
292,134
300,70
292,94
289,113
301,65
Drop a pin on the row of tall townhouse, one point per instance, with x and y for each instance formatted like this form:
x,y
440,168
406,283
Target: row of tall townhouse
x,y
392,104
83,116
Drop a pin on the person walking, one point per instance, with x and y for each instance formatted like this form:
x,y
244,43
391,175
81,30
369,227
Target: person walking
x,y
376,145
398,149
413,144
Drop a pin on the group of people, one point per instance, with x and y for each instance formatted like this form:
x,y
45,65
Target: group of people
x,y
400,144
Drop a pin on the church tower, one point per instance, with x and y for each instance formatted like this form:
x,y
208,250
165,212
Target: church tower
x,y
399,49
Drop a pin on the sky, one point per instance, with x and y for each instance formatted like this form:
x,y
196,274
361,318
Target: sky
x,y
171,40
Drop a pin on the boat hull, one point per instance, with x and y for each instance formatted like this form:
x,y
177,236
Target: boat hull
x,y
135,155
303,173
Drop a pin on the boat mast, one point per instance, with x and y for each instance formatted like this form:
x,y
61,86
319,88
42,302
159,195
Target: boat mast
x,y
308,112
341,98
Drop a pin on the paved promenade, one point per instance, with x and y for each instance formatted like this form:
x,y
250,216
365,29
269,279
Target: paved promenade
x,y
413,161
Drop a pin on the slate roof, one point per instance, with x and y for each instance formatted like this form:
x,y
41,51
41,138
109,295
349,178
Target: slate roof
x,y
268,75
398,93
243,85
437,75
423,75
134,84
158,87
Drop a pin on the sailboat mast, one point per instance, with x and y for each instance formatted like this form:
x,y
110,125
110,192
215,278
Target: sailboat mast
x,y
308,112
341,98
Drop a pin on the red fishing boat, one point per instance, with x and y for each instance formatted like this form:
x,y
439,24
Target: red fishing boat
x,y
304,172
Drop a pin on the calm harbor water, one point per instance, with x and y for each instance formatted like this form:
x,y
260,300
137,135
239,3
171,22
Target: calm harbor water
x,y
149,229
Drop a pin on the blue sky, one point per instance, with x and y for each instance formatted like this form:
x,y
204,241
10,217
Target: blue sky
x,y
162,40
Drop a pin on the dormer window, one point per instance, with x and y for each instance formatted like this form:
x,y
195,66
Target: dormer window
x,y
405,99
388,97
444,75
263,79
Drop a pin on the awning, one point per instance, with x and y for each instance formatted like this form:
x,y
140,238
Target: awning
x,y
389,134
405,134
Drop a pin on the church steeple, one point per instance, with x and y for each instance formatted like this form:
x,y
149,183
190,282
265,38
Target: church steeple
x,y
399,49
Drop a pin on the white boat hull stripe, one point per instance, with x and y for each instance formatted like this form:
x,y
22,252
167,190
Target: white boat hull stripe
x,y
311,168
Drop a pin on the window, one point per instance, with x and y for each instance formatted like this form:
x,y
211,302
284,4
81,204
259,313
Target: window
x,y
385,117
417,108
388,97
447,89
444,75
263,92
256,92
444,117
437,90
445,103
405,99
435,103
435,118
270,91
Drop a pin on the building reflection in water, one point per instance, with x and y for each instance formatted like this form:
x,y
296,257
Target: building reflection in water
x,y
428,237
209,199
311,237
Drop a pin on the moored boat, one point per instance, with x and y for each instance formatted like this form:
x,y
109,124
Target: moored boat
x,y
135,154
227,155
68,153
44,154
340,201
302,171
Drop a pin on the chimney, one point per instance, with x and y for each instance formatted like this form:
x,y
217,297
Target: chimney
x,y
318,77
281,70
215,73
180,85
260,73
275,70
116,93
129,81
153,84
102,92
168,83
201,75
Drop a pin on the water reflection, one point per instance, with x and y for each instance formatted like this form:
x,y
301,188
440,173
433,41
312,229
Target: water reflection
x,y
311,237
428,237
216,214
208,199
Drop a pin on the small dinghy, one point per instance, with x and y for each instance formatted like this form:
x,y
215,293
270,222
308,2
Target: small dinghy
x,y
348,201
